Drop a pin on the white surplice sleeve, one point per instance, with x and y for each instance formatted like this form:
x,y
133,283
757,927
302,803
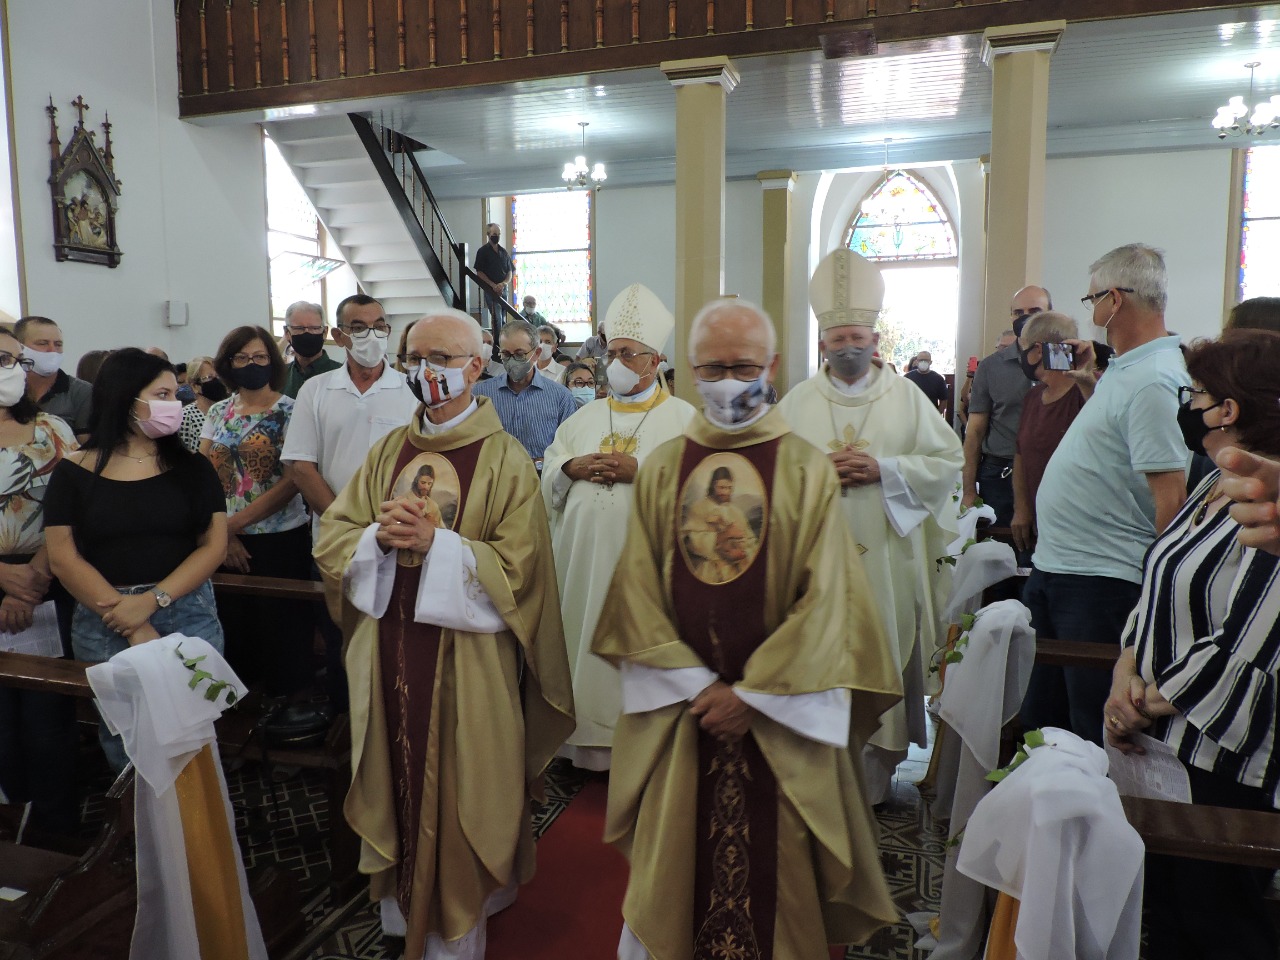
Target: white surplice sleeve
x,y
822,716
560,485
450,593
905,510
370,575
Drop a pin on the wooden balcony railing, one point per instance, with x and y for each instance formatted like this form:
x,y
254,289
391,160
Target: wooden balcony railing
x,y
255,54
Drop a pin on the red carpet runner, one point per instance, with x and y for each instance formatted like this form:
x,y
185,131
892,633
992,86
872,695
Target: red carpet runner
x,y
573,906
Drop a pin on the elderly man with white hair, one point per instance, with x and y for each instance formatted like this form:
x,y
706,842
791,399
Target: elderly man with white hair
x,y
1115,482
899,465
438,552
304,331
734,793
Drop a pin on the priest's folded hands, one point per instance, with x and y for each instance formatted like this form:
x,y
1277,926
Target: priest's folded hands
x,y
721,713
855,469
602,468
402,526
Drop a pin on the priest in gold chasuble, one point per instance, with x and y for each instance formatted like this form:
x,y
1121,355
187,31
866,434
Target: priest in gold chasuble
x,y
750,656
899,464
460,690
588,484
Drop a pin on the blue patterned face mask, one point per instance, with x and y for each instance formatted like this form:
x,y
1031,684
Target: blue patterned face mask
x,y
731,401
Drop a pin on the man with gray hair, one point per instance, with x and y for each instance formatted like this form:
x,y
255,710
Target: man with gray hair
x,y
531,406
493,266
743,680
460,690
304,331
1124,458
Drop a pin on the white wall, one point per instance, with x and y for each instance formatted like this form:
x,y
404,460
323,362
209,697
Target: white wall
x,y
10,276
192,211
1175,201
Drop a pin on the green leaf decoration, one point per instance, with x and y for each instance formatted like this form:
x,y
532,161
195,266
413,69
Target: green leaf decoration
x,y
1032,740
967,620
199,676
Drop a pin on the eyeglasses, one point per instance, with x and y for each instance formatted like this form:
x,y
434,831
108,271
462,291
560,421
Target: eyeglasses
x,y
519,356
203,380
244,359
294,328
435,359
711,372
626,356
581,382
1186,393
7,360
1089,299
358,331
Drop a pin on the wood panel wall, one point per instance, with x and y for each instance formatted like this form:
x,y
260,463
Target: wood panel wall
x,y
254,54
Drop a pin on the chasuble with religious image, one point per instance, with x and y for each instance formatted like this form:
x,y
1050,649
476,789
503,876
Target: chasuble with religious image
x,y
765,845
460,690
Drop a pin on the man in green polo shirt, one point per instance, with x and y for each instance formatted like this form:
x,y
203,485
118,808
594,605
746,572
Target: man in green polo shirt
x,y
54,390
305,330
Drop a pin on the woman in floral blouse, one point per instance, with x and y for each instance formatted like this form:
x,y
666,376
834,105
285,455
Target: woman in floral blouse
x,y
38,745
268,640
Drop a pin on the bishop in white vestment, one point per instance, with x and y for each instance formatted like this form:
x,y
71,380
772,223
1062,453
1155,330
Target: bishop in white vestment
x,y
899,463
587,485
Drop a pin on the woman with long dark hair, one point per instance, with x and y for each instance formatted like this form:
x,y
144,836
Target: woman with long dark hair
x,y
269,533
37,729
136,524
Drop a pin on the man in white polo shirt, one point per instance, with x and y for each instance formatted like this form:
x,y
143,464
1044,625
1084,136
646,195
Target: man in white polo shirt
x,y
1114,483
337,418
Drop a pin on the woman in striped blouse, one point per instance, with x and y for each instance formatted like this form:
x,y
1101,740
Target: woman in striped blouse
x,y
1201,658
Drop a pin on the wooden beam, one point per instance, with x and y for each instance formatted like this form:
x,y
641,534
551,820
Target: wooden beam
x,y
1247,837
1077,653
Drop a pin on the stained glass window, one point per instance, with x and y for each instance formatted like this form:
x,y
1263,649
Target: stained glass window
x,y
1260,229
901,220
551,250
293,237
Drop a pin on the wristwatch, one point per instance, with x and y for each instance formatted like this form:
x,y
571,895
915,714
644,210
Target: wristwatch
x,y
162,599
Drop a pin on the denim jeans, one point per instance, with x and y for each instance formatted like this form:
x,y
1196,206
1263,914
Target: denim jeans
x,y
493,305
1068,606
995,487
194,614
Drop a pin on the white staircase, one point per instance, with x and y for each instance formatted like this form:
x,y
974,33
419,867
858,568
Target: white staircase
x,y
334,169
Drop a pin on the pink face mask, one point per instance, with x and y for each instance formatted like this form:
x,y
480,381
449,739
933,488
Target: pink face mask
x,y
165,419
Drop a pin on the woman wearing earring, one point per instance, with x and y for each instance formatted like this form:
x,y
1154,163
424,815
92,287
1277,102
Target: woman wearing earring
x,y
268,531
135,524
1200,667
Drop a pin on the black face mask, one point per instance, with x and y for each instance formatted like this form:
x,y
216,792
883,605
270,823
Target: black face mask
x,y
1019,324
493,238
214,391
1028,368
307,345
252,377
1194,429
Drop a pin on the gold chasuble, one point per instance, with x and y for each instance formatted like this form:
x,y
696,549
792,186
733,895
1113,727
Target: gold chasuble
x,y
763,848
451,731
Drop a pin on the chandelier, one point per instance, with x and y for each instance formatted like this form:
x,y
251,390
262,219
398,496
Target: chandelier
x,y
1265,114
577,173
878,206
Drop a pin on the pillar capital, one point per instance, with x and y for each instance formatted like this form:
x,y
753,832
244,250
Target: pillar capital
x,y
1039,37
718,70
777,180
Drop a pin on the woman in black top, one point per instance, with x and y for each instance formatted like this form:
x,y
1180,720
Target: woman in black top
x,y
135,524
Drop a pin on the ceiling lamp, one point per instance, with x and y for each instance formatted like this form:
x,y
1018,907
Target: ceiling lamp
x,y
878,206
1266,115
577,173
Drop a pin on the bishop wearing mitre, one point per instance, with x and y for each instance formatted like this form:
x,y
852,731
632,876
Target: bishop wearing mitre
x,y
750,654
899,463
460,690
588,484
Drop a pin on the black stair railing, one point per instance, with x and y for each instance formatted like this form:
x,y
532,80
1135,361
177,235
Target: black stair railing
x,y
446,259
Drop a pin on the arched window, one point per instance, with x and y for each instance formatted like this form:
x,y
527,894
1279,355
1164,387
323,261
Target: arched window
x,y
901,225
901,220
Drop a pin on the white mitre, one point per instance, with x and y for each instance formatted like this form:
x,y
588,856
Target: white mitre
x,y
637,314
846,290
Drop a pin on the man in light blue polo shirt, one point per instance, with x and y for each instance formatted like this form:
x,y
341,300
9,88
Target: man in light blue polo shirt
x,y
1116,480
531,407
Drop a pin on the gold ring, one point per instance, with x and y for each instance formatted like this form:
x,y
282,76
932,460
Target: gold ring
x,y
1115,721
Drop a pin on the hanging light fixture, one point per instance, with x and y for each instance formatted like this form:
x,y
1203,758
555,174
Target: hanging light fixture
x,y
577,173
878,206
1266,115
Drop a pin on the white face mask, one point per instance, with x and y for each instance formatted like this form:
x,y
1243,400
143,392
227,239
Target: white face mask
x,y
13,384
622,379
47,364
449,384
731,401
923,366
369,350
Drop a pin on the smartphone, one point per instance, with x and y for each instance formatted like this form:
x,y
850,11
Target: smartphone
x,y
973,365
1059,356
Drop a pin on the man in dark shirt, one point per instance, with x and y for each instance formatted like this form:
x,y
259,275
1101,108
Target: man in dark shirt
x,y
305,330
929,380
52,388
493,264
